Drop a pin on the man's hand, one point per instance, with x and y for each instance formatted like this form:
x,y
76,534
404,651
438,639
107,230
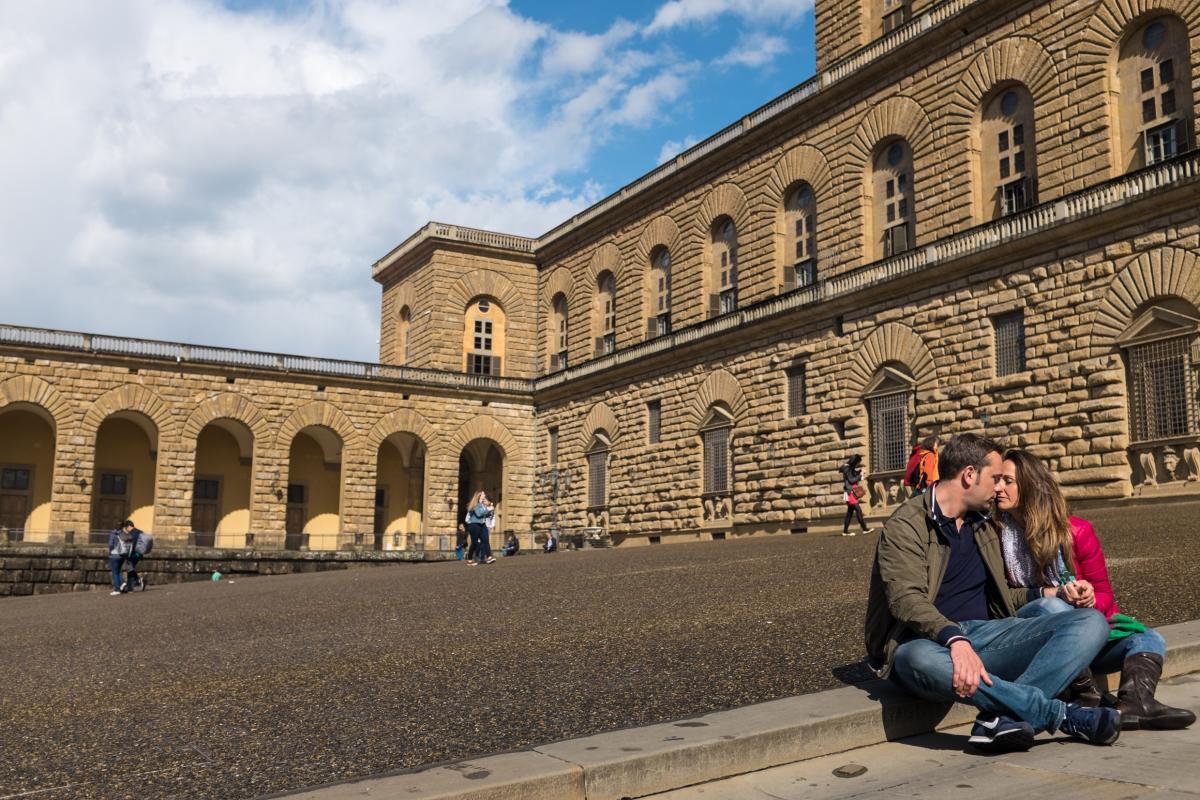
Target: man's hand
x,y
968,669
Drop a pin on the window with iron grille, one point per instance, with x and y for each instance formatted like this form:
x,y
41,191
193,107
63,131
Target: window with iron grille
x,y
1010,342
553,437
716,459
797,394
597,459
1162,390
654,421
296,493
890,423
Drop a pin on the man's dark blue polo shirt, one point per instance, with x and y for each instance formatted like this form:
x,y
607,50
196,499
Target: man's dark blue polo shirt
x,y
963,593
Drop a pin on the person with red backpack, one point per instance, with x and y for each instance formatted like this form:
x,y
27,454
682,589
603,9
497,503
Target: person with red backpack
x,y
922,469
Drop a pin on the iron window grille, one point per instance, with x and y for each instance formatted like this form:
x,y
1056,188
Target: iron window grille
x,y
716,459
1010,343
1163,388
553,437
597,460
14,479
654,421
797,394
890,421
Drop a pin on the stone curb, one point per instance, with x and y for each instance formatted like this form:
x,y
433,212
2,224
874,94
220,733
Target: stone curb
x,y
656,758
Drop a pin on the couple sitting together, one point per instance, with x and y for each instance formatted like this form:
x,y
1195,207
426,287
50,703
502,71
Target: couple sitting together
x,y
1008,610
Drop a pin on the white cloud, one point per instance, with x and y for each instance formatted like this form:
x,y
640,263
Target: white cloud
x,y
176,170
673,147
754,50
676,13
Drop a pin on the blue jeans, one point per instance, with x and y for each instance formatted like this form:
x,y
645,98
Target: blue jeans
x,y
1030,661
1112,655
115,562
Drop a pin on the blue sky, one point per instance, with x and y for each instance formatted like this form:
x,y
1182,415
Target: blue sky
x,y
226,171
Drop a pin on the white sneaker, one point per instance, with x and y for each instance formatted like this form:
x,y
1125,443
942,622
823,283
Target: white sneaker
x,y
849,533
113,592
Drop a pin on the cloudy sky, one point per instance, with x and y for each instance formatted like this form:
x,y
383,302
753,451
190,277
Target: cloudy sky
x,y
227,172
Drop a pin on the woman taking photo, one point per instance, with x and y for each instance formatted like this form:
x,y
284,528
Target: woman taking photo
x,y
1046,547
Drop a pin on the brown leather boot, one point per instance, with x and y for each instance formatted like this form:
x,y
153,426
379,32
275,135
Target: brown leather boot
x,y
1082,691
1135,698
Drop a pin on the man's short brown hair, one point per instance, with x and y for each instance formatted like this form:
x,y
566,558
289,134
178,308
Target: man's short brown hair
x,y
965,450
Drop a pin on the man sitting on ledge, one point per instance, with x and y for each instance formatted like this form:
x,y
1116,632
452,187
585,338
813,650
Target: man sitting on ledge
x,y
941,617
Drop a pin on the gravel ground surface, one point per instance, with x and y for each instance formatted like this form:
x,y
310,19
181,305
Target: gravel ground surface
x,y
210,690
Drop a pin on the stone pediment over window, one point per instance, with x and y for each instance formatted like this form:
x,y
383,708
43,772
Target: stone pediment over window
x,y
1158,322
889,379
718,417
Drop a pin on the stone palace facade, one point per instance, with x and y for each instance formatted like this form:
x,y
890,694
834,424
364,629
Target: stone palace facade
x,y
979,215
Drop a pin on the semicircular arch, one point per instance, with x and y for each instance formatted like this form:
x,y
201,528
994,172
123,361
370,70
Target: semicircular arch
x,y
890,343
402,420
485,283
1163,272
35,391
320,413
129,398
600,417
719,386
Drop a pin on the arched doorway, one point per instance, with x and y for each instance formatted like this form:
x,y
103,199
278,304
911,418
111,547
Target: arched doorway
x,y
221,487
123,483
314,493
26,472
399,491
481,466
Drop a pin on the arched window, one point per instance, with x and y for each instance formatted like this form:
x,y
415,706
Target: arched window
x,y
659,323
483,341
893,14
724,267
1155,78
606,312
558,332
597,461
889,400
1009,163
800,236
892,184
403,324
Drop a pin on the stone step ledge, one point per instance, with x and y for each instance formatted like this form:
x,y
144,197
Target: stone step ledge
x,y
656,758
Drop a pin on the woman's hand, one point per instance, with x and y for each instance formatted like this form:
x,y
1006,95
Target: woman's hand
x,y
1081,594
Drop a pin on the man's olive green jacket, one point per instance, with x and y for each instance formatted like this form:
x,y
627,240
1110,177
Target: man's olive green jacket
x,y
910,562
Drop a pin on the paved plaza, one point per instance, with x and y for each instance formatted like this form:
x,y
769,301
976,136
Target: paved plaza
x,y
269,684
1157,765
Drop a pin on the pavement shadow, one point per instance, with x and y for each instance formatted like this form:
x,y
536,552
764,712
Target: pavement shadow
x,y
903,716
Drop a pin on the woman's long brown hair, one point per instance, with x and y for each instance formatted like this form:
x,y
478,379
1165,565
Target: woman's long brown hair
x,y
1043,509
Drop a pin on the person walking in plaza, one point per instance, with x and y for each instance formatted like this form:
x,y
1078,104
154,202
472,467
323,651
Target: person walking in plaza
x,y
852,493
480,510
922,469
460,542
120,545
1045,547
141,544
942,620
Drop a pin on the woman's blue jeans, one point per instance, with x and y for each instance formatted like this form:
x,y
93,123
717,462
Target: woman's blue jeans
x,y
1112,655
115,562
1030,661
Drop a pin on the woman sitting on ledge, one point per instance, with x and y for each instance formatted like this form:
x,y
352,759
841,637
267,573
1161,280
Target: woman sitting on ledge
x,y
1044,546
